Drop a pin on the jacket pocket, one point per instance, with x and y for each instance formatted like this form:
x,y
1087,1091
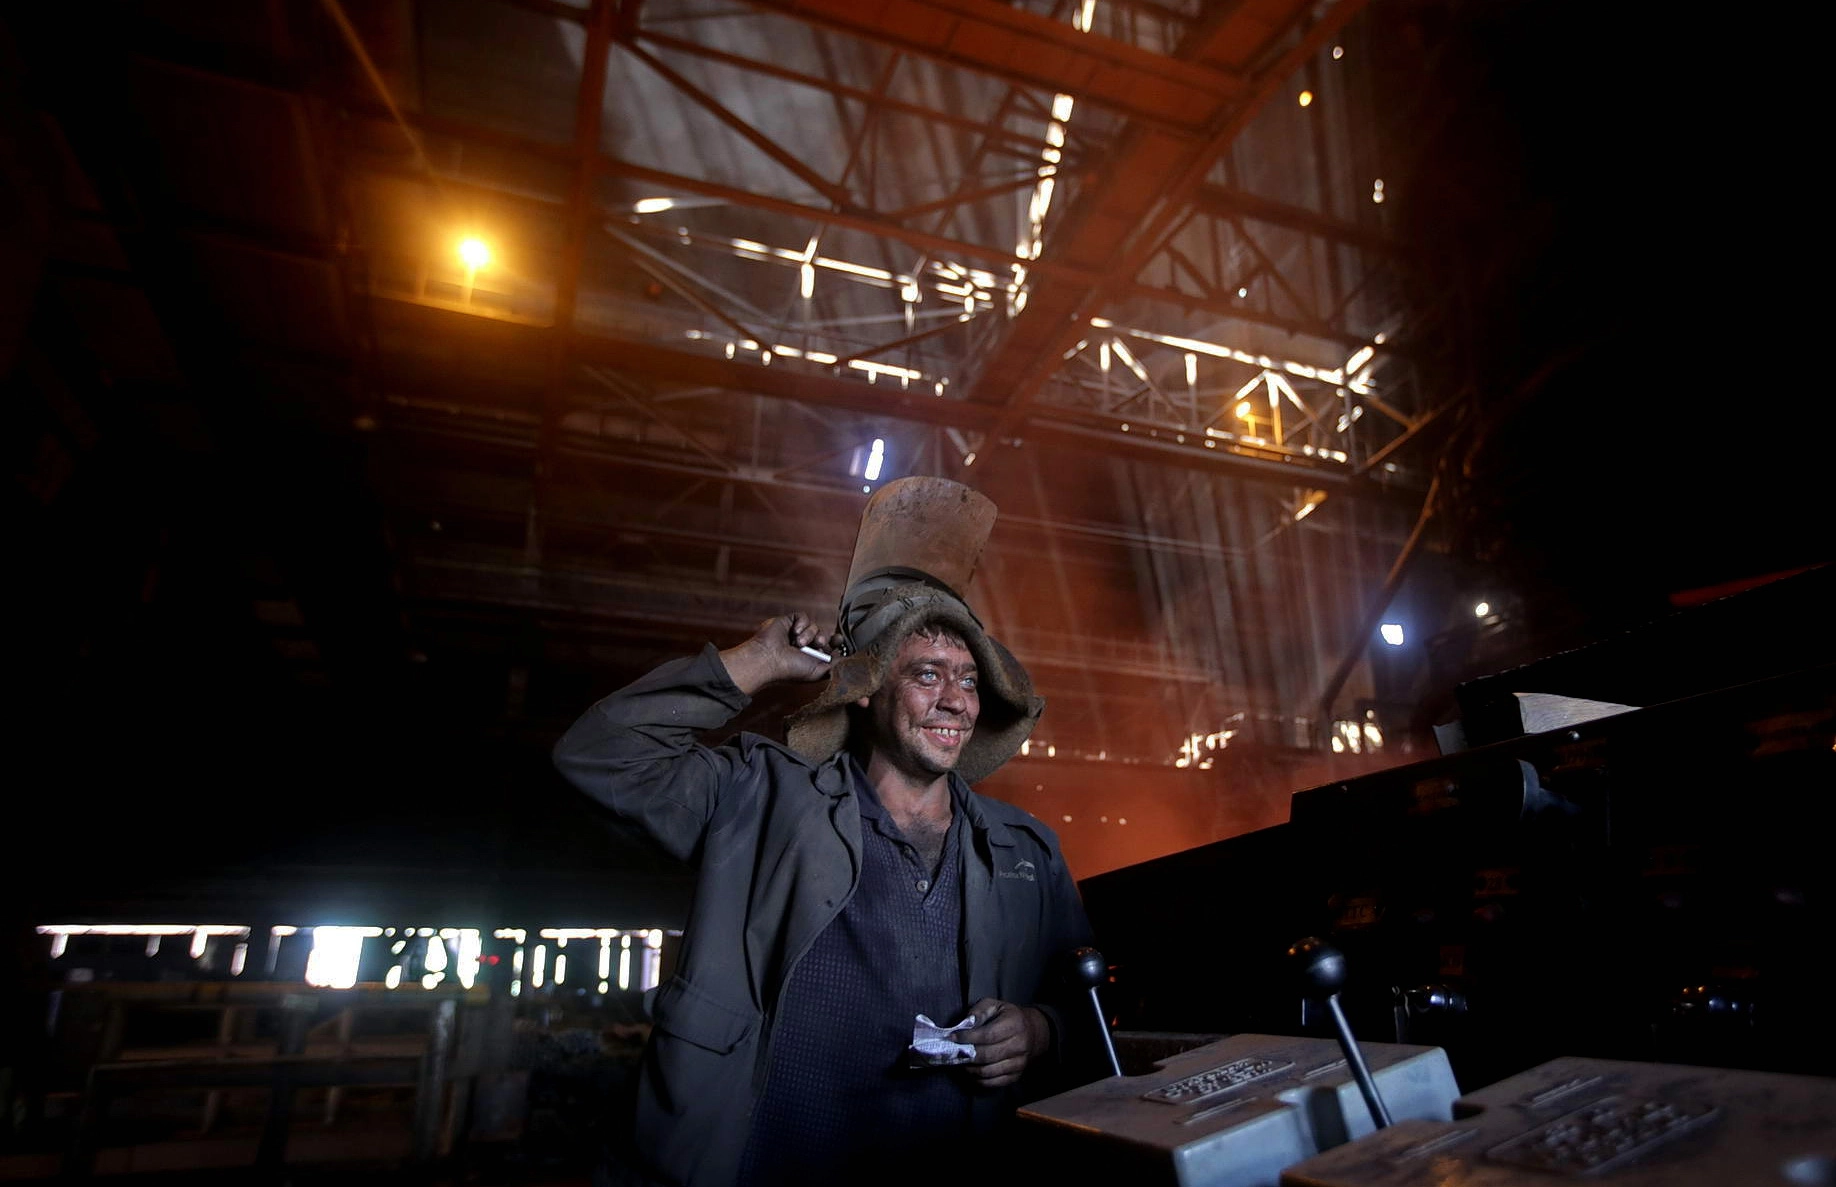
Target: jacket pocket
x,y
685,1012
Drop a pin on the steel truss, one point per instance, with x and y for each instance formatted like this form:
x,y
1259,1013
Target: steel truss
x,y
1090,279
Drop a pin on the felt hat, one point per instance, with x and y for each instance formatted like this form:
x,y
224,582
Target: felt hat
x,y
914,558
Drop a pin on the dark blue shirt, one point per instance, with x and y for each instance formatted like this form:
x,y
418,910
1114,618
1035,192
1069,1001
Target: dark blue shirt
x,y
840,1104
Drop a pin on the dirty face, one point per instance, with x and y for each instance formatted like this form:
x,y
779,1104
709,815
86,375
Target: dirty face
x,y
924,714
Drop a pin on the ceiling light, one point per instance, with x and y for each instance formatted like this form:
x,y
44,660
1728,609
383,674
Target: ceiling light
x,y
1482,609
874,460
1305,98
1392,633
652,205
474,253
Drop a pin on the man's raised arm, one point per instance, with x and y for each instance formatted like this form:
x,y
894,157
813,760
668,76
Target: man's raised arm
x,y
636,751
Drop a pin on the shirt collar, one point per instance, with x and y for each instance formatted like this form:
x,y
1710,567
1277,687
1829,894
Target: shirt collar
x,y
871,808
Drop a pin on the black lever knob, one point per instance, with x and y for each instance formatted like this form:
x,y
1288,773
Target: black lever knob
x,y
1320,969
1091,971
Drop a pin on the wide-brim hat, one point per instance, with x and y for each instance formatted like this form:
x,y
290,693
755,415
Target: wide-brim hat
x,y
914,557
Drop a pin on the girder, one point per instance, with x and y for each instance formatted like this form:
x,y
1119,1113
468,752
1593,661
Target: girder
x,y
1048,426
1114,225
1032,50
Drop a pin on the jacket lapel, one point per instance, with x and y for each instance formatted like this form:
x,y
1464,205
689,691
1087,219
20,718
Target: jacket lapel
x,y
990,845
815,866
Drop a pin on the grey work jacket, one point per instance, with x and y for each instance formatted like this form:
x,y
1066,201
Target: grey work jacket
x,y
776,843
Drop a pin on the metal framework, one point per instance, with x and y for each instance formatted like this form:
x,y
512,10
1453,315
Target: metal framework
x,y
1098,258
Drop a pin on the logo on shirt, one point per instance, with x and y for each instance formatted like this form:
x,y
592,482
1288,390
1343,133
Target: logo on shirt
x,y
1022,869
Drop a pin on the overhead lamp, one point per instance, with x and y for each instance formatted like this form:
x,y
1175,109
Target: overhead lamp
x,y
1392,633
1482,609
474,252
875,460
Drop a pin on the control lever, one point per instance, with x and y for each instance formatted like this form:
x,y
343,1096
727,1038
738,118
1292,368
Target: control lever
x,y
1091,972
1321,969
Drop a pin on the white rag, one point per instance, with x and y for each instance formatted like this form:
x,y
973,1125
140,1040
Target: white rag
x,y
932,1045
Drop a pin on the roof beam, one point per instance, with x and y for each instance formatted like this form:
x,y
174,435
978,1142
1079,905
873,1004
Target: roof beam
x,y
1223,202
858,220
1029,49
1047,426
1115,225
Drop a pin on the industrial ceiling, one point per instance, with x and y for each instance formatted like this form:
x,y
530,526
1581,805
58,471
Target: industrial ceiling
x,y
408,374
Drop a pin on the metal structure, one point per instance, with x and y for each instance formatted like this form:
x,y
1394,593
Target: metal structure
x,y
1123,264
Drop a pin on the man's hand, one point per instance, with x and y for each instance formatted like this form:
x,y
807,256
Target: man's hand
x,y
1007,1038
771,654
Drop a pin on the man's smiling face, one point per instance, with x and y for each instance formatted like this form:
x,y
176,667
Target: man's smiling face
x,y
925,713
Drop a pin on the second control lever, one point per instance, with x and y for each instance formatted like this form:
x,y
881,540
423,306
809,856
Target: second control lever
x,y
1321,969
1092,971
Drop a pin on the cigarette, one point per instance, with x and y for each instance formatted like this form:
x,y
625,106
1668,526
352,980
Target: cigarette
x,y
815,654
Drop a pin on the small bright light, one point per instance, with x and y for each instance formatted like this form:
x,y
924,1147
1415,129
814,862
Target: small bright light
x,y
1338,51
469,949
1243,410
1482,609
474,253
1305,98
875,460
1243,292
969,459
652,205
806,281
335,953
1392,633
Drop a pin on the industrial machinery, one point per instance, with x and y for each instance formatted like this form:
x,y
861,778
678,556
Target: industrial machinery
x,y
1600,913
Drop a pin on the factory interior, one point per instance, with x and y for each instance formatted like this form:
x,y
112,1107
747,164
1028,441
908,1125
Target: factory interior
x,y
1355,380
